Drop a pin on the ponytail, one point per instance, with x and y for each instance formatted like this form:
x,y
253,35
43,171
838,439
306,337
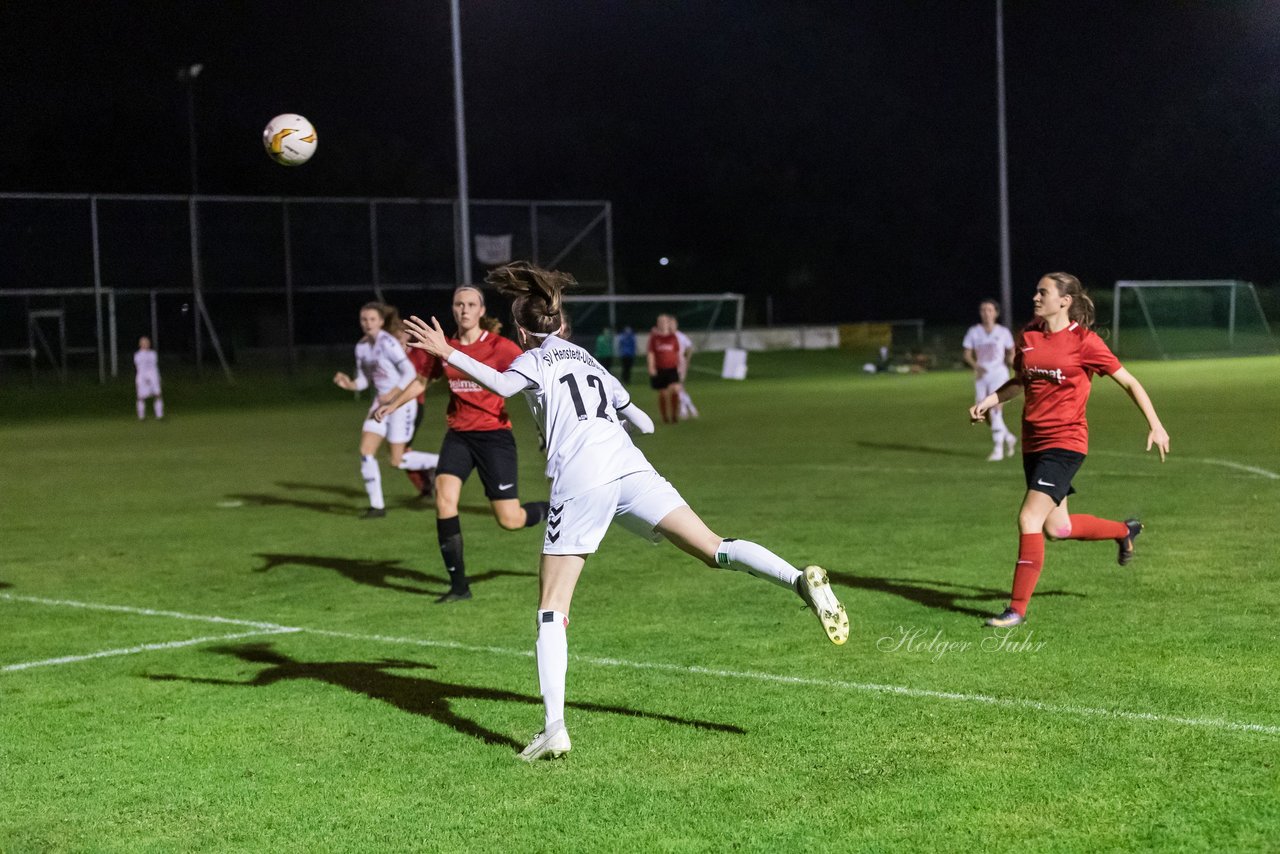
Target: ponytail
x,y
1082,310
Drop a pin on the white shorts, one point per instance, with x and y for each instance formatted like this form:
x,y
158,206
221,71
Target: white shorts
x,y
637,501
148,385
990,381
396,427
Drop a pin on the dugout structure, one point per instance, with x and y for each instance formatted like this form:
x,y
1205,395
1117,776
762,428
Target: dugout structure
x,y
1188,319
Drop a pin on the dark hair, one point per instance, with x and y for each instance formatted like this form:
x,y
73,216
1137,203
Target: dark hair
x,y
536,294
1081,310
992,303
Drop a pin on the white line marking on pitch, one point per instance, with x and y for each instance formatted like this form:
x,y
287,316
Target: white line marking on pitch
x,y
134,650
757,676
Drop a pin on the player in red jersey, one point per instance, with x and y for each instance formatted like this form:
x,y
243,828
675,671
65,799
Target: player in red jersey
x,y
1057,355
479,437
420,466
664,368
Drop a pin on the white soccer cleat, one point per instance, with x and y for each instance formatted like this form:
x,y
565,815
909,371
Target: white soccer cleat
x,y
1010,441
815,590
551,743
997,454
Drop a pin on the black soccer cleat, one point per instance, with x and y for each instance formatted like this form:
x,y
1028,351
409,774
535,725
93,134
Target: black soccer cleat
x,y
454,596
1126,542
373,513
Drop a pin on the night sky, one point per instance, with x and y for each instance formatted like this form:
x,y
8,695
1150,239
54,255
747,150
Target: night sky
x,y
841,156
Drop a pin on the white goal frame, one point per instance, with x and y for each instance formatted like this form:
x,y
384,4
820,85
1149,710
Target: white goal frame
x,y
611,300
1138,286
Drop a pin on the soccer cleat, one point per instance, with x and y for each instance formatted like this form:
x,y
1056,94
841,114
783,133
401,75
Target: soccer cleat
x,y
454,596
1010,442
373,513
1007,619
997,454
551,743
1126,543
815,590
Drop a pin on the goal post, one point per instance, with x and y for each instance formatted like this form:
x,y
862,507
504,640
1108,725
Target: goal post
x,y
712,321
1188,318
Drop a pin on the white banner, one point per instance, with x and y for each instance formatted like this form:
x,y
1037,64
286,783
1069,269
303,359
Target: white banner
x,y
493,249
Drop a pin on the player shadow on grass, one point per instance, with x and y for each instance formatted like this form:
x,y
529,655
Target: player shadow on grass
x,y
943,595
414,694
379,573
918,449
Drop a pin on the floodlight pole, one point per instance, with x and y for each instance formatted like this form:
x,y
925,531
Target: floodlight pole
x,y
1006,277
188,75
460,128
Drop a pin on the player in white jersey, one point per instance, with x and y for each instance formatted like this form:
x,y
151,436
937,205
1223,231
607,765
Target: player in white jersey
x,y
382,363
988,349
147,379
597,476
687,409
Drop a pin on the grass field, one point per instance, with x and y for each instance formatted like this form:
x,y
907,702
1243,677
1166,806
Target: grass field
x,y
204,650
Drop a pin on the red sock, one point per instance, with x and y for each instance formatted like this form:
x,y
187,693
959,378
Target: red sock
x,y
662,405
1027,571
1092,528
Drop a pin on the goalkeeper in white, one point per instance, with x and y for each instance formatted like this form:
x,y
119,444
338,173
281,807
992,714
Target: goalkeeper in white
x,y
597,475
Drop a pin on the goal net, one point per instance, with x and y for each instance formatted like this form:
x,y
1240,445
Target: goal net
x,y
712,321
1183,319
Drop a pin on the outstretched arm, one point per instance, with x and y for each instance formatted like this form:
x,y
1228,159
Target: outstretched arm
x,y
1156,434
415,388
431,338
1008,391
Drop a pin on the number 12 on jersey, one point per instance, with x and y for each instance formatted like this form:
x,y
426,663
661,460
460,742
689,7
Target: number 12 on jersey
x,y
592,380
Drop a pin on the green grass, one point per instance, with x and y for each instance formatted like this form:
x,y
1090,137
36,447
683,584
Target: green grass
x,y
708,712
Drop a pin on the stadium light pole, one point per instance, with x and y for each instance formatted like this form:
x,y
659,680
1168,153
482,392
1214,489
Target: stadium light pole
x,y
1006,283
187,76
460,129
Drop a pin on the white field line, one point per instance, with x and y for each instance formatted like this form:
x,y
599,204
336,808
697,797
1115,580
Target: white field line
x,y
693,670
134,650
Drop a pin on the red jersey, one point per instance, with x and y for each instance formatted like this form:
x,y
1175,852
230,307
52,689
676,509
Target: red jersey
x,y
472,407
665,350
424,364
1056,369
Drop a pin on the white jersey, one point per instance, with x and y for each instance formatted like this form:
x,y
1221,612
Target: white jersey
x,y
383,363
989,348
575,401
146,363
686,343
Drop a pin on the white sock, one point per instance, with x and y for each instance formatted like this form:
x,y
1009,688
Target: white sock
x,y
998,430
372,481
419,461
158,403
553,662
142,410
757,561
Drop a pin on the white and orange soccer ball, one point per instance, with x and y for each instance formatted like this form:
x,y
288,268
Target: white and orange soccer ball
x,y
289,139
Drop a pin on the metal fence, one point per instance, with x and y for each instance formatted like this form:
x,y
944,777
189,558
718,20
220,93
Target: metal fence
x,y
82,276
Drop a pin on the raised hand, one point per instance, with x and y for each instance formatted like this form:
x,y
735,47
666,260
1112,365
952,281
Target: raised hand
x,y
430,338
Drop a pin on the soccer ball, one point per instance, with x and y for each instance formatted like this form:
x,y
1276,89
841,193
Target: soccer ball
x,y
289,139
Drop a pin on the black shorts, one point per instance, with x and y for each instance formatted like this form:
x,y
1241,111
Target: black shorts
x,y
664,377
493,452
1050,471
